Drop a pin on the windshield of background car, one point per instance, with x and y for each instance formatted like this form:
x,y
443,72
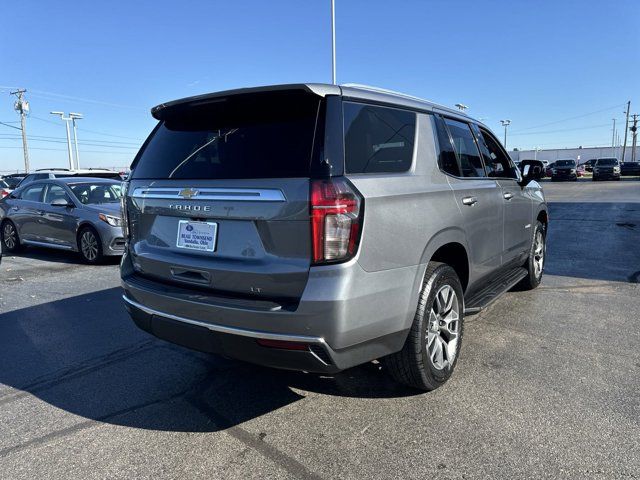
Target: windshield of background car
x,y
604,162
255,136
95,193
565,163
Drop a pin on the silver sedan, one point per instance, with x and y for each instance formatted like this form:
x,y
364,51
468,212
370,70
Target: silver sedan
x,y
77,214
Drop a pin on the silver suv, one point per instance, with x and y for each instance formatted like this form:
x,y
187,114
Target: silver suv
x,y
317,227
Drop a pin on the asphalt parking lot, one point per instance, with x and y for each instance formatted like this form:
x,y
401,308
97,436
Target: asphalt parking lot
x,y
547,384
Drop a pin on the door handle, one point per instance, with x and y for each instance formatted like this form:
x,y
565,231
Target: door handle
x,y
469,200
508,195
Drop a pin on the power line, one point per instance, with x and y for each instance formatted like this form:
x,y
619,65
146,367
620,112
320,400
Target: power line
x,y
572,118
80,143
60,138
64,150
562,130
10,126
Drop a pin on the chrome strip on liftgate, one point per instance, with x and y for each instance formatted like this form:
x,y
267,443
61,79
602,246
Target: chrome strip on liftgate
x,y
235,194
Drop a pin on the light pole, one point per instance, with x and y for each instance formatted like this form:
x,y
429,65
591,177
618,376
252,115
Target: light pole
x,y
66,121
74,117
505,124
333,41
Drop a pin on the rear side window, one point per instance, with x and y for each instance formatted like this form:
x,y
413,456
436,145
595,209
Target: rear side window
x,y
32,194
378,139
447,155
258,136
466,148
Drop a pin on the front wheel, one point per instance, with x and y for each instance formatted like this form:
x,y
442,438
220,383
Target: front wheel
x,y
535,261
89,245
432,347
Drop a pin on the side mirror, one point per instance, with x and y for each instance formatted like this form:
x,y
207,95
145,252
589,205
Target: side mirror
x,y
62,202
529,173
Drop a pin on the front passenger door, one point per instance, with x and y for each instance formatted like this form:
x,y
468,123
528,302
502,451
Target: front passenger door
x,y
518,207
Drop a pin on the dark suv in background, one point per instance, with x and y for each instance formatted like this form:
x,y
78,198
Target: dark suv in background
x,y
317,227
606,168
564,170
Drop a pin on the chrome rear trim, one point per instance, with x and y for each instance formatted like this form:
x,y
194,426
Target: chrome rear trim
x,y
224,329
233,194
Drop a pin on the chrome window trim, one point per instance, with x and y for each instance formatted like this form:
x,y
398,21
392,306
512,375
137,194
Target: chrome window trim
x,y
232,194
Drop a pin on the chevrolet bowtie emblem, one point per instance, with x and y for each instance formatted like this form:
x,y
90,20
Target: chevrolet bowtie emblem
x,y
188,192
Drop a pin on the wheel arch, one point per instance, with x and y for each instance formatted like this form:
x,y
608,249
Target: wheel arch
x,y
449,246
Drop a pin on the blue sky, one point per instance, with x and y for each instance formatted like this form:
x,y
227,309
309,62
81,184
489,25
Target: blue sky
x,y
560,70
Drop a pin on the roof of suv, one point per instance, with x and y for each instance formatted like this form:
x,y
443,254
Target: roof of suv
x,y
354,91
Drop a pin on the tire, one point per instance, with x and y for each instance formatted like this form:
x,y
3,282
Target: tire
x,y
535,260
10,237
418,364
89,245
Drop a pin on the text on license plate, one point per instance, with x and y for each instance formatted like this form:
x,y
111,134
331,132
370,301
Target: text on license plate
x,y
197,235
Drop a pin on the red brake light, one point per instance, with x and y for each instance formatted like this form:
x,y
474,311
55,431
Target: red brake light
x,y
336,216
3,193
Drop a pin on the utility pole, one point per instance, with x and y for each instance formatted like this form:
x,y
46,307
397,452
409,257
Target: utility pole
x,y
613,135
22,107
74,117
634,130
333,42
505,124
626,129
66,122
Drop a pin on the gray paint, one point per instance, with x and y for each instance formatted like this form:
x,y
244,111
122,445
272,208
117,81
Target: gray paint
x,y
361,309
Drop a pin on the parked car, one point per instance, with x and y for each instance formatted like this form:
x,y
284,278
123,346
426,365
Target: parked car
x,y
580,170
276,228
605,168
629,168
79,214
65,173
12,180
548,169
5,189
588,165
565,169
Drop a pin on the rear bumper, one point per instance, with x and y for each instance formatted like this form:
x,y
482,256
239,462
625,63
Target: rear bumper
x,y
342,319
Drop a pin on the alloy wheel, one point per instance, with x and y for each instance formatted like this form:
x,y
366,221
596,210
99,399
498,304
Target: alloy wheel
x,y
10,236
89,245
443,330
538,255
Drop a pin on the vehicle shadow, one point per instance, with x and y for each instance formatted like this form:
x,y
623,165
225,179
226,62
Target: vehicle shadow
x,y
55,256
594,240
85,356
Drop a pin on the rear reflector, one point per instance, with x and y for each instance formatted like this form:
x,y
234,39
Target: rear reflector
x,y
283,344
336,209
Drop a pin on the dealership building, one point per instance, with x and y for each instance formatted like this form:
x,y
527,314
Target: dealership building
x,y
581,155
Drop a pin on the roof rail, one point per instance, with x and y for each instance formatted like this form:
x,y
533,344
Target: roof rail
x,y
52,170
399,94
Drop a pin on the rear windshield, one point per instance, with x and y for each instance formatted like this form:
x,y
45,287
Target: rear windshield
x,y
606,161
257,136
565,163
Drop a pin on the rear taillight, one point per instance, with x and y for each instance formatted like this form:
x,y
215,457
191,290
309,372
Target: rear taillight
x,y
123,210
336,220
3,193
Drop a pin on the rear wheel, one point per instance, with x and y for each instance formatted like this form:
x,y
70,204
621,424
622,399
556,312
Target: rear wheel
x,y
431,350
10,238
89,245
535,261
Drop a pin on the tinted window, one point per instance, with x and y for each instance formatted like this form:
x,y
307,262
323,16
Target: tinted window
x,y
55,192
33,193
92,193
259,136
466,148
447,156
496,161
606,162
565,163
378,139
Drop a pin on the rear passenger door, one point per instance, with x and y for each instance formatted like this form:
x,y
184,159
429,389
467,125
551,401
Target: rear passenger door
x,y
518,207
479,198
27,212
